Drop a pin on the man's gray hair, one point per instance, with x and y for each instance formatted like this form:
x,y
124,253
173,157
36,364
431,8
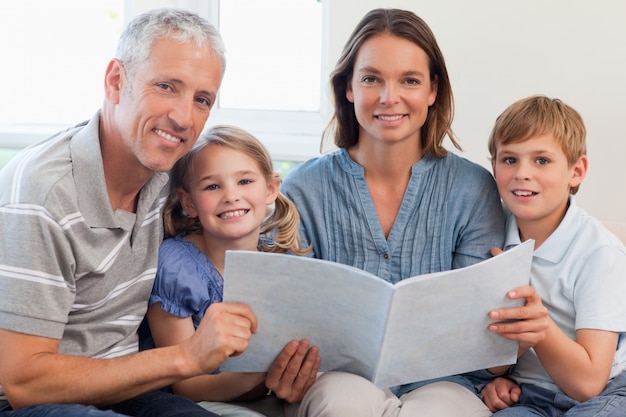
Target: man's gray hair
x,y
137,39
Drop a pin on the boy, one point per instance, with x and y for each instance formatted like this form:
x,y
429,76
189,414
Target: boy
x,y
539,160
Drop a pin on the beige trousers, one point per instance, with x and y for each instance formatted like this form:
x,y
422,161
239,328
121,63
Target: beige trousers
x,y
339,394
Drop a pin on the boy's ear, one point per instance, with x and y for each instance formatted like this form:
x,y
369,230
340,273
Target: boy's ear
x,y
186,203
579,170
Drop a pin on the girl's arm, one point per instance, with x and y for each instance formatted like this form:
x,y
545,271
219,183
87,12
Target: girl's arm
x,y
170,330
580,368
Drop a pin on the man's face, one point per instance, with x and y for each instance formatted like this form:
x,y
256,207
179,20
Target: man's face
x,y
162,109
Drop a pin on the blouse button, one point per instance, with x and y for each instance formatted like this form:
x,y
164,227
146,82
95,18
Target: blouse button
x,y
386,256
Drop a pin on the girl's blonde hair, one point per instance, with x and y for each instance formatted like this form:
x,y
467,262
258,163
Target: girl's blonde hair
x,y
283,224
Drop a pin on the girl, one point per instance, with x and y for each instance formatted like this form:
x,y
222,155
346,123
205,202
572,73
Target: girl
x,y
224,196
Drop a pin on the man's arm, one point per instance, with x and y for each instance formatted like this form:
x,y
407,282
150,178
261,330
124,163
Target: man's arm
x,y
33,372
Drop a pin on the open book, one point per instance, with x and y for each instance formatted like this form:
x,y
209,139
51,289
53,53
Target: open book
x,y
423,327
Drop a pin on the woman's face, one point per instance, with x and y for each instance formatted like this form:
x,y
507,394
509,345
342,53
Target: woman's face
x,y
391,89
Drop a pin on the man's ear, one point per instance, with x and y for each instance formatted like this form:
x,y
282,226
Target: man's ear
x,y
578,171
186,203
114,79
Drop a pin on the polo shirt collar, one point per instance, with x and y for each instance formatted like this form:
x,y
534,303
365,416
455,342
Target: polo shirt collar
x,y
554,248
88,170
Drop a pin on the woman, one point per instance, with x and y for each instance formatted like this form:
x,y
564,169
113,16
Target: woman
x,y
393,201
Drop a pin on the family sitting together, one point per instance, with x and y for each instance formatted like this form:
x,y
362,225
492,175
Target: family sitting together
x,y
112,284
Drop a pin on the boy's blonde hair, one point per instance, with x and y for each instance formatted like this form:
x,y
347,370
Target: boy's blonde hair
x,y
539,115
283,223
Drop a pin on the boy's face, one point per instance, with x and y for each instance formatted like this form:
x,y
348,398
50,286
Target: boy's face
x,y
534,179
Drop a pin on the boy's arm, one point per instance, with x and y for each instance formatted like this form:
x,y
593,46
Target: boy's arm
x,y
33,372
580,368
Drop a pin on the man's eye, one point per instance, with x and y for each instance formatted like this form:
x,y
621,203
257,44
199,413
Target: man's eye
x,y
204,101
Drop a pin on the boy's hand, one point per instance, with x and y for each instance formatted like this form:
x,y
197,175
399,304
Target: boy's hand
x,y
500,393
527,324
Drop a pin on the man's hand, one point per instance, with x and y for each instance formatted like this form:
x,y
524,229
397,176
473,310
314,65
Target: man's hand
x,y
294,371
224,331
500,393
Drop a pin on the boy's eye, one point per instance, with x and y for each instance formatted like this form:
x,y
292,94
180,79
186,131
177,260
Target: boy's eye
x,y
211,187
245,182
509,160
542,161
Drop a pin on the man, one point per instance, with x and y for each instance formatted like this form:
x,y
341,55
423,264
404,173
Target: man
x,y
81,219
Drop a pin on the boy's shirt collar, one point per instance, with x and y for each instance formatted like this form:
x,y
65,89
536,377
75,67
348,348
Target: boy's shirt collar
x,y
556,245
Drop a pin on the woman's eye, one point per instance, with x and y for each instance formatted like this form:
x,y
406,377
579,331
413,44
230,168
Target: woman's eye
x,y
368,80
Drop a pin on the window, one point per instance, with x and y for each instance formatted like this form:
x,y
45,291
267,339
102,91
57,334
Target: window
x,y
55,54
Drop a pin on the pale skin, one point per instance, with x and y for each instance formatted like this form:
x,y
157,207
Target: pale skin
x,y
144,129
229,194
579,367
400,89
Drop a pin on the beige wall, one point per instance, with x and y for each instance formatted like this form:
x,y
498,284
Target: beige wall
x,y
499,51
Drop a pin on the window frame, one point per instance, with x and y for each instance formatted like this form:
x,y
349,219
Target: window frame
x,y
288,135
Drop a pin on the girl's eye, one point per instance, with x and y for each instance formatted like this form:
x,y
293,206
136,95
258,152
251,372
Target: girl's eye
x,y
212,187
542,161
245,182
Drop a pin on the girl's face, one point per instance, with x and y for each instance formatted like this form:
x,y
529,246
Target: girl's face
x,y
534,179
391,89
229,194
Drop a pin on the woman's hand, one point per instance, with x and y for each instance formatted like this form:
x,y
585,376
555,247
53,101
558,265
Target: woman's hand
x,y
294,371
